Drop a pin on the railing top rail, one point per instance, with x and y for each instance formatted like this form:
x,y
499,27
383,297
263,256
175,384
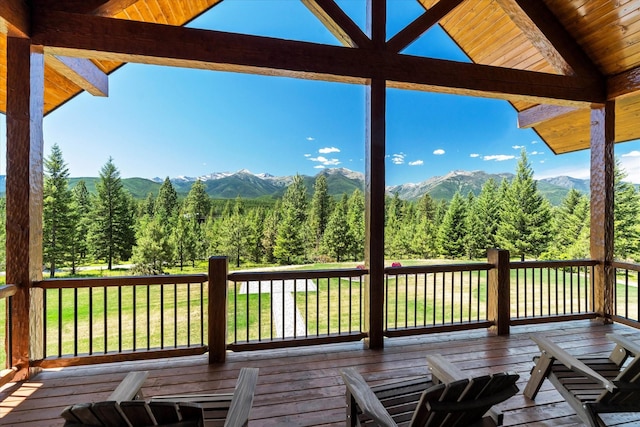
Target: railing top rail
x,y
296,274
440,268
626,265
554,264
99,282
7,290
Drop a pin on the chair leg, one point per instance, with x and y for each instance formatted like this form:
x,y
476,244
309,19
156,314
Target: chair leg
x,y
352,411
538,374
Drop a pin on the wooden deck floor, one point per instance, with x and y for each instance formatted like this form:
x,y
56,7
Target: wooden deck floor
x,y
302,387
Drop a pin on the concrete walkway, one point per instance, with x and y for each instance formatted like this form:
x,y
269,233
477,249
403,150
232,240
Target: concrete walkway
x,y
288,322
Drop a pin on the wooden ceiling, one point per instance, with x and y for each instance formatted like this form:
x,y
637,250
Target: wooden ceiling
x,y
552,59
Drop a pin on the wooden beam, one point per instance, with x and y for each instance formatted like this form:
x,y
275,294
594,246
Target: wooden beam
x,y
602,194
338,23
550,37
25,109
421,25
14,18
131,41
534,116
374,186
94,7
112,7
623,84
84,73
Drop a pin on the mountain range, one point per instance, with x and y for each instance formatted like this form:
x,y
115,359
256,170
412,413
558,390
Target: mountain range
x,y
339,181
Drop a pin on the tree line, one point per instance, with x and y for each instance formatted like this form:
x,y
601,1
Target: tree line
x,y
164,230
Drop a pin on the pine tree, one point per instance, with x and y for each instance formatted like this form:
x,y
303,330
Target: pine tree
x,y
112,232
197,207
270,232
82,207
336,236
166,204
320,210
355,220
570,228
255,224
453,231
525,226
183,240
153,250
58,220
626,216
234,233
483,220
289,244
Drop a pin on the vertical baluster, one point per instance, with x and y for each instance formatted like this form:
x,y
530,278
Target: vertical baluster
x,y
135,317
44,326
175,315
328,307
339,305
75,321
415,299
579,282
161,316
626,293
106,329
119,318
386,300
350,304
148,316
259,308
59,322
518,293
202,322
571,286
188,314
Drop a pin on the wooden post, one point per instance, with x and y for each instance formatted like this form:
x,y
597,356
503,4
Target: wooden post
x,y
499,291
25,109
218,285
375,187
602,193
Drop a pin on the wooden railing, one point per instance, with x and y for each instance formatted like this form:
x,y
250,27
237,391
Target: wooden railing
x,y
7,372
435,298
125,318
626,305
94,320
551,291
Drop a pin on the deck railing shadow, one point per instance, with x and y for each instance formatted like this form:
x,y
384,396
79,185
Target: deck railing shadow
x,y
94,320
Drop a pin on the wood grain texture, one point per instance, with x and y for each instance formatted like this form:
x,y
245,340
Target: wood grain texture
x,y
217,327
25,102
338,23
15,18
84,73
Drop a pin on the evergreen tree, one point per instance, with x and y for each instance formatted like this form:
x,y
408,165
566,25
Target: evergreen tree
x,y
58,220
483,220
166,204
626,216
355,220
234,233
112,234
183,240
320,210
337,240
197,207
147,207
153,250
255,226
82,207
290,245
570,228
526,216
270,232
453,231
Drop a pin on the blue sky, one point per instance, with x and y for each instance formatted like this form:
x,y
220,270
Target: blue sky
x,y
162,121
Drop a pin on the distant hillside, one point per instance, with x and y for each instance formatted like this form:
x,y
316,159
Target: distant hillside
x,y
340,181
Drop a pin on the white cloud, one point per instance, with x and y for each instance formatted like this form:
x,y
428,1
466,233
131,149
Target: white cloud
x,y
319,167
307,155
498,157
634,153
310,138
536,153
328,150
534,142
517,147
324,161
398,158
438,152
474,155
416,163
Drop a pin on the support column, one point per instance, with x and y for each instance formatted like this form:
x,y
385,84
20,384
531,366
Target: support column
x,y
25,107
375,186
602,193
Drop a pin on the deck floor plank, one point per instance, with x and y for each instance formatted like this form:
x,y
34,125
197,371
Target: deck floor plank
x,y
302,387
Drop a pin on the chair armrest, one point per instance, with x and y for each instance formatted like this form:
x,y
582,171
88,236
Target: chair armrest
x,y
626,343
443,371
238,415
557,353
366,399
129,387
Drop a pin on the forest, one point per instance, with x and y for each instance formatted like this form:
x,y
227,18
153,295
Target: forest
x,y
109,226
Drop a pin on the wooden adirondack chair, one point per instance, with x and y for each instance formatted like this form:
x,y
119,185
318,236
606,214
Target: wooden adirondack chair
x,y
450,398
229,409
593,385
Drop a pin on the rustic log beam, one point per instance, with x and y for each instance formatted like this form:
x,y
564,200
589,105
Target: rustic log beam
x,y
602,194
550,37
534,116
84,73
14,18
130,41
623,84
338,23
374,191
94,7
25,109
421,25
